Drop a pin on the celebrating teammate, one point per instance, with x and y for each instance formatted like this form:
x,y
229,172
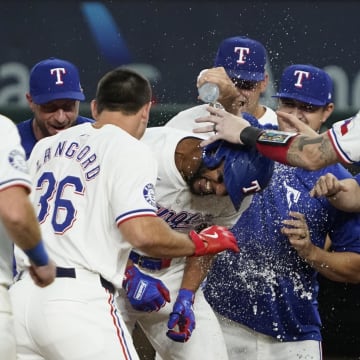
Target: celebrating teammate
x,y
191,193
54,98
95,200
311,151
239,72
19,225
266,296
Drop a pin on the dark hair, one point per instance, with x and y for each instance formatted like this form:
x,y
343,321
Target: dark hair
x,y
122,90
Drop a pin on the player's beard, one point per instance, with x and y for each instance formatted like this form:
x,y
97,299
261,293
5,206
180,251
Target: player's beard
x,y
198,174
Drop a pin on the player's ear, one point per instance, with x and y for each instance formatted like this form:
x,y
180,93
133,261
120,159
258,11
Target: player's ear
x,y
145,111
94,111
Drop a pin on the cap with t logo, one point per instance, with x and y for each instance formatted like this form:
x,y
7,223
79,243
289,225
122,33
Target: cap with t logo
x,y
306,83
242,58
54,79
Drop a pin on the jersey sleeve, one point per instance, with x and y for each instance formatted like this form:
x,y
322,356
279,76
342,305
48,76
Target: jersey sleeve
x,y
136,197
14,170
344,136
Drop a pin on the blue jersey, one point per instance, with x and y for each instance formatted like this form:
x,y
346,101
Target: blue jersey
x,y
267,286
27,135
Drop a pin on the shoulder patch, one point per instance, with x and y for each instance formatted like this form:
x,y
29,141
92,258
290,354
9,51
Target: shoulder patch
x,y
149,194
17,160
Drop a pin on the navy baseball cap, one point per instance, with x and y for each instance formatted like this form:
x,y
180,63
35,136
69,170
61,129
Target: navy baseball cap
x,y
245,170
306,83
54,79
242,58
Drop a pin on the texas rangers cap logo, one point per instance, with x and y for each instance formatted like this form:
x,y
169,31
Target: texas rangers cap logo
x,y
149,194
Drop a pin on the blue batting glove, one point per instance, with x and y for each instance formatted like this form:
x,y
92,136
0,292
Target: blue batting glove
x,y
144,292
182,316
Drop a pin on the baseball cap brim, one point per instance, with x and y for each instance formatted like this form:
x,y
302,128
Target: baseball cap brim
x,y
301,98
245,75
71,95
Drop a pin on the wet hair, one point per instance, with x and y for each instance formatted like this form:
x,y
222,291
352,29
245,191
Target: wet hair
x,y
122,90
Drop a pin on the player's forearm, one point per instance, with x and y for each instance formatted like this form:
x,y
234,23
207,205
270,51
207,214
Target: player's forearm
x,y
195,271
303,151
19,218
348,200
336,266
154,237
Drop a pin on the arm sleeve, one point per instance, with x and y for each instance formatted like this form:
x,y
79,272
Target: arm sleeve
x,y
344,136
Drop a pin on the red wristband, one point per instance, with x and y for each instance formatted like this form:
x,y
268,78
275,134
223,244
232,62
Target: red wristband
x,y
277,153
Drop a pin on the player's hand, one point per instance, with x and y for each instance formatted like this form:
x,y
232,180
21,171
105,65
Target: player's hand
x,y
229,96
43,275
182,316
297,231
213,240
327,185
144,292
290,122
225,125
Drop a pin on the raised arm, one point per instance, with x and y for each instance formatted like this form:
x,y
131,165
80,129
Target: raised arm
x,y
310,151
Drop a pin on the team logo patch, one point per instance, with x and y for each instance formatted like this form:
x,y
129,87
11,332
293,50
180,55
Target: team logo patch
x,y
17,160
149,194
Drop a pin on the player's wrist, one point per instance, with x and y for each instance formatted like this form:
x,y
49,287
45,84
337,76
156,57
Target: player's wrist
x,y
198,242
249,135
38,255
187,294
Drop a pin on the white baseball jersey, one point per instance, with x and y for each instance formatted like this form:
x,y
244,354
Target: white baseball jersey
x,y
344,136
87,181
185,120
13,173
102,177
183,211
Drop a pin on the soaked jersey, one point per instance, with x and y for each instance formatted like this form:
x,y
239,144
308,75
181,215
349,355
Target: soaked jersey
x,y
27,135
344,136
87,181
267,286
14,172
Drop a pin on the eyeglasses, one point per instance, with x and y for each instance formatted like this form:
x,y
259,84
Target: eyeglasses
x,y
244,84
309,108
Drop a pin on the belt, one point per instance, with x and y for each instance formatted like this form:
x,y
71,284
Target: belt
x,y
147,262
71,273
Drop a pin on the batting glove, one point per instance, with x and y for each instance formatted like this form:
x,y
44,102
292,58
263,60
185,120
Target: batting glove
x,y
182,316
213,240
144,292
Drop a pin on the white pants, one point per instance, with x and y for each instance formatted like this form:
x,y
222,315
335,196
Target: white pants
x,y
206,341
7,337
246,344
72,319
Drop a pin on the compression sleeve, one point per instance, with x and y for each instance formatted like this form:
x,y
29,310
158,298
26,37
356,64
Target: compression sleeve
x,y
271,143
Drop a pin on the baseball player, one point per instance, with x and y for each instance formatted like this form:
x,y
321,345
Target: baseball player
x,y
239,71
266,298
54,98
19,225
95,200
191,188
